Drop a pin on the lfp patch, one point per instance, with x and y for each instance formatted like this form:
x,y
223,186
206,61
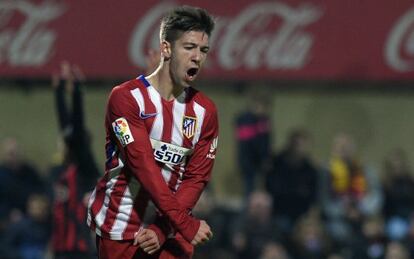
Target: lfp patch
x,y
189,126
122,131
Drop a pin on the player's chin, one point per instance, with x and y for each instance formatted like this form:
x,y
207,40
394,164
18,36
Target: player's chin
x,y
187,83
188,80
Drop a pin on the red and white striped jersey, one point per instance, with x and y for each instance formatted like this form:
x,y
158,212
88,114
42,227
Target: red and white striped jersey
x,y
157,150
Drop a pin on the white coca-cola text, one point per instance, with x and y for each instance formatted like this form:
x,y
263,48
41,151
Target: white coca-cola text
x,y
248,40
399,47
31,44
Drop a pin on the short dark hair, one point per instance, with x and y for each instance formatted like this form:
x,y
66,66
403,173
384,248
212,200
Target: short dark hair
x,y
183,19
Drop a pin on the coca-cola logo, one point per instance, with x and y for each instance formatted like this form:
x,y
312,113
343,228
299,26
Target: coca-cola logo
x,y
30,43
268,35
399,48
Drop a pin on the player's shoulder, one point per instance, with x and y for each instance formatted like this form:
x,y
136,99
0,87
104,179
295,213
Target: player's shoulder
x,y
129,85
203,100
125,88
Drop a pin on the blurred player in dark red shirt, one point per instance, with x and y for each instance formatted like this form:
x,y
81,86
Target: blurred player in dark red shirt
x,y
161,144
76,177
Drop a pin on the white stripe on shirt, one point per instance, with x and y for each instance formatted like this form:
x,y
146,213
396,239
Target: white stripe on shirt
x,y
178,115
125,208
139,98
100,217
200,114
157,126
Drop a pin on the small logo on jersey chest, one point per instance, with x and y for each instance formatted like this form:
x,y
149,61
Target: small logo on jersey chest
x,y
189,126
145,116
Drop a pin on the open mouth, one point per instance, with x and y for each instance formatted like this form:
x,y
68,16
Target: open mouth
x,y
192,72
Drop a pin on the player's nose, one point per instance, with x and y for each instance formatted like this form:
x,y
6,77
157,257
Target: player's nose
x,y
197,56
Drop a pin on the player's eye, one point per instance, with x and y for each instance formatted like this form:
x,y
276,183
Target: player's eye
x,y
189,47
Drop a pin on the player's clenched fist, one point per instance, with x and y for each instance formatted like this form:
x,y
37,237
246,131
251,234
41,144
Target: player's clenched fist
x,y
147,240
204,234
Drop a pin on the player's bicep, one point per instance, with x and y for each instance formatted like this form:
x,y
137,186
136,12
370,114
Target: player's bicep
x,y
128,129
202,160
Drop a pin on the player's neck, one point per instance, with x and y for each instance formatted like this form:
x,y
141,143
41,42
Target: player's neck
x,y
163,83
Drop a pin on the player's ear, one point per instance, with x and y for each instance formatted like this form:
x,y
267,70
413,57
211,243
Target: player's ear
x,y
166,50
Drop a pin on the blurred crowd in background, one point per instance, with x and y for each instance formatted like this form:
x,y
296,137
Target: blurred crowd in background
x,y
291,204
291,207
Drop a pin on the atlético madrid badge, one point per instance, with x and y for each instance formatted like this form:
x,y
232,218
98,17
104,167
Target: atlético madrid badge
x,y
189,126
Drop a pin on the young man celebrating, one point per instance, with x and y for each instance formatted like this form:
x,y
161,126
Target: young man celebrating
x,y
160,145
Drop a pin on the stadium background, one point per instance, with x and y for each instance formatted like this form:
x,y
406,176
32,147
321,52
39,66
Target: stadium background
x,y
380,119
346,66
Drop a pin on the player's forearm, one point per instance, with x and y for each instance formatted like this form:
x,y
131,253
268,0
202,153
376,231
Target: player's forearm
x,y
61,109
187,195
190,192
77,106
164,199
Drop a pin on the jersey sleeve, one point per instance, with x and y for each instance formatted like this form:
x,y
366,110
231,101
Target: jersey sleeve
x,y
134,144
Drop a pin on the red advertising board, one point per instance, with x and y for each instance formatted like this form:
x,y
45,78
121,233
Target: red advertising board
x,y
289,39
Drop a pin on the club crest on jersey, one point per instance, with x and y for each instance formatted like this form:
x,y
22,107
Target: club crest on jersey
x,y
189,126
122,131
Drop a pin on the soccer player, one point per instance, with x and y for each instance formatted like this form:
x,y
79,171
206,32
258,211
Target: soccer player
x,y
161,145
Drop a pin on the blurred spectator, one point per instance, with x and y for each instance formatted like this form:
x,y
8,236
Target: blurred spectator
x,y
18,179
75,178
255,227
309,238
253,132
292,180
152,60
274,250
350,191
399,194
219,218
28,238
335,256
408,240
396,250
373,241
